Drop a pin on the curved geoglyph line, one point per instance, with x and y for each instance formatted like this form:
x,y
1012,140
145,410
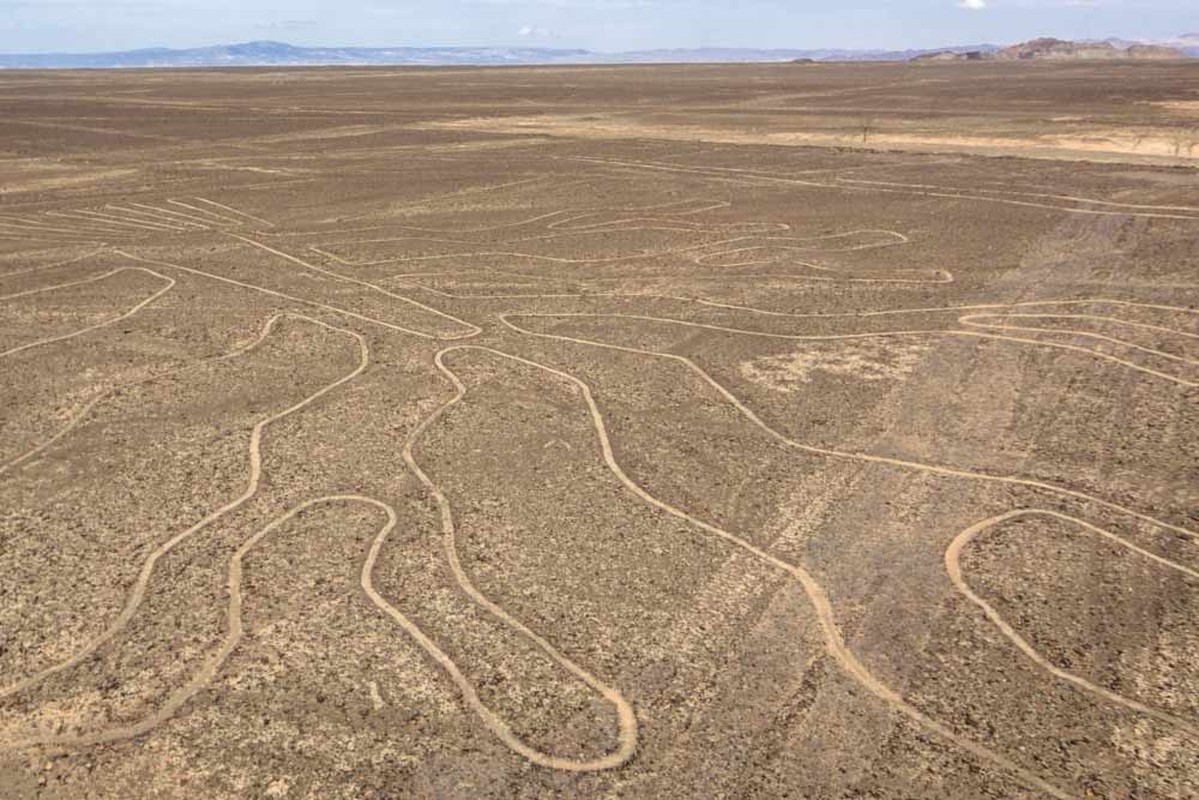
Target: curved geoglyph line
x,y
570,221
77,419
932,309
939,276
796,244
748,176
833,640
511,254
232,210
834,643
627,718
282,295
975,320
235,632
953,566
125,315
1043,195
211,666
970,320
892,238
55,265
956,546
749,414
472,329
135,220
881,334
138,591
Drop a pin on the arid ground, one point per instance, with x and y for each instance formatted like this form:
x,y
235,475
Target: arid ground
x,y
801,431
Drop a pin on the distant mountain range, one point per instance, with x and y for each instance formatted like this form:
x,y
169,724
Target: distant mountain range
x,y
274,54
1050,49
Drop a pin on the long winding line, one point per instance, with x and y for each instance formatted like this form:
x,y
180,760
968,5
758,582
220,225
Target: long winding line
x,y
205,212
575,223
825,314
977,306
155,224
942,275
565,223
947,277
55,265
138,592
472,329
973,320
23,224
570,223
953,566
510,254
282,295
211,666
1093,318
888,334
107,219
152,216
843,186
1046,195
833,640
178,216
673,251
789,242
87,409
868,458
418,204
235,631
26,230
126,315
627,718
240,213
453,296
85,225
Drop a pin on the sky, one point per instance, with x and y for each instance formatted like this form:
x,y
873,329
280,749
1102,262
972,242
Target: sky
x,y
603,25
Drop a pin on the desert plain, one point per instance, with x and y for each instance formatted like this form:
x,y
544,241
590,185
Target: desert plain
x,y
797,430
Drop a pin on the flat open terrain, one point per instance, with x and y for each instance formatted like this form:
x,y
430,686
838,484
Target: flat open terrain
x,y
750,432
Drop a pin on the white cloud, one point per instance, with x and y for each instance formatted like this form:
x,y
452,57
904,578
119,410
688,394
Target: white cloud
x,y
973,5
531,31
